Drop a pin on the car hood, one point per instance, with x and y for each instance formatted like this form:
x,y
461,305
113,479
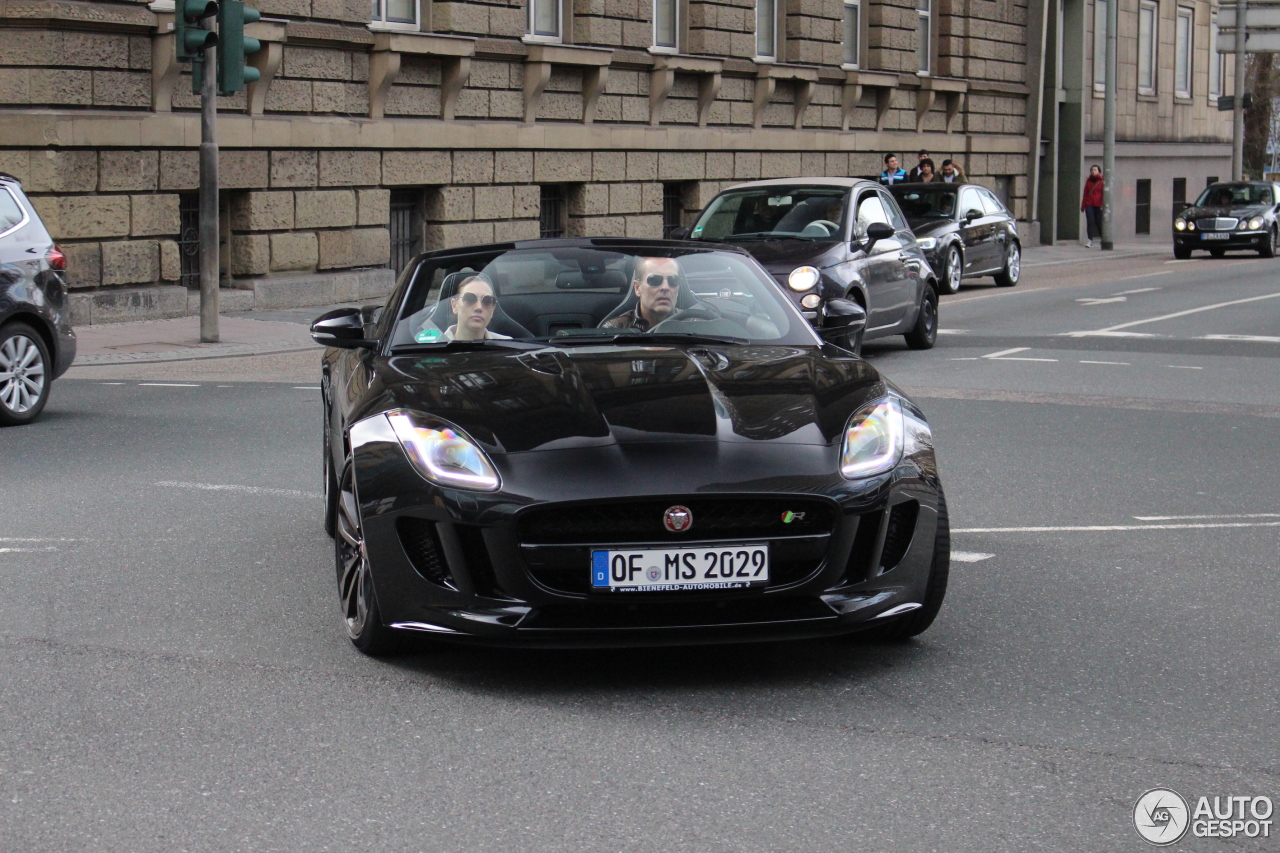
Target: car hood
x,y
782,256
1240,211
930,227
567,398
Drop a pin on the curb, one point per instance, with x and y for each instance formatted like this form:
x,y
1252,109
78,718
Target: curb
x,y
192,354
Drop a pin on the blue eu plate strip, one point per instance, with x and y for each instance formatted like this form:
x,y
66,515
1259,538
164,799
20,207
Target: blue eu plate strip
x,y
599,568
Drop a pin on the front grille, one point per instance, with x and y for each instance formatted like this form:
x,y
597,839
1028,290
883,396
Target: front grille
x,y
421,543
1220,223
897,538
665,613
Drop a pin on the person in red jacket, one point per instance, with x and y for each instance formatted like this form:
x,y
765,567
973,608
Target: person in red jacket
x,y
1091,204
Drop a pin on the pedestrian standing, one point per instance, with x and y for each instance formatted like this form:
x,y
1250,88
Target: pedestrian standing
x,y
921,156
952,173
926,171
1091,204
892,174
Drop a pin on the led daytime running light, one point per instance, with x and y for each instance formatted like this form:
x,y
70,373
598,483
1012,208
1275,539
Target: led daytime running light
x,y
443,454
873,440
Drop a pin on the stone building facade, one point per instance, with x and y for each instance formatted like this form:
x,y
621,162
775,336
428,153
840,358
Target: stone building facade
x,y
384,127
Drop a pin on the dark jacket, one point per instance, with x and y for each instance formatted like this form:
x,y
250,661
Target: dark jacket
x,y
1092,192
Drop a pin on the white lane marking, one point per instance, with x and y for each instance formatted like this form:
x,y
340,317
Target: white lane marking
x,y
953,331
970,556
1183,367
1144,275
1092,528
968,358
1120,363
111,383
1109,335
1020,358
168,385
306,387
1142,289
1264,339
1199,517
248,490
1005,352
25,550
1099,300
1177,314
36,539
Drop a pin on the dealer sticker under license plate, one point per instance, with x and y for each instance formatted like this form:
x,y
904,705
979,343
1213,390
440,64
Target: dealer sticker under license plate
x,y
675,569
1221,235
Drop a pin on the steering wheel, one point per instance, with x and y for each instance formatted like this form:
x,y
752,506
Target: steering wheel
x,y
832,228
694,313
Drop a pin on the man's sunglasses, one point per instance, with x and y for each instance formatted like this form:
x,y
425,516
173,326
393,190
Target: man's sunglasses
x,y
470,299
656,280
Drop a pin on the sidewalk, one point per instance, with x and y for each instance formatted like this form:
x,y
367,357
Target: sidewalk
x,y
1075,253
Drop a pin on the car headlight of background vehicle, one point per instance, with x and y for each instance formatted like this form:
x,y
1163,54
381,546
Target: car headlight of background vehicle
x,y
873,440
803,278
442,453
927,244
1180,224
1255,224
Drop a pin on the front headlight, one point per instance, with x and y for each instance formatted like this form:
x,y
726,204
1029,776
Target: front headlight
x,y
873,439
1180,224
1255,224
927,244
803,278
442,453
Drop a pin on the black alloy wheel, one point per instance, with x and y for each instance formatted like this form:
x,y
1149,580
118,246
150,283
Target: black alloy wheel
x,y
925,332
360,613
952,272
330,478
1012,271
1269,250
1181,252
24,376
916,622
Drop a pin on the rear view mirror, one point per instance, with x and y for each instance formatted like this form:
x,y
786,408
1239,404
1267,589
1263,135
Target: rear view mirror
x,y
842,317
343,328
972,215
680,233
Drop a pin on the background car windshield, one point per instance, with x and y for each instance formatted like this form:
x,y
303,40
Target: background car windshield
x,y
1228,195
925,203
557,294
815,213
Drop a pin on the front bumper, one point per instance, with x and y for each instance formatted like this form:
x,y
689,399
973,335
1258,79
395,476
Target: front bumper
x,y
1233,240
478,582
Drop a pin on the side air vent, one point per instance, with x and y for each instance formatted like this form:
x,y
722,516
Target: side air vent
x,y
897,538
421,543
864,548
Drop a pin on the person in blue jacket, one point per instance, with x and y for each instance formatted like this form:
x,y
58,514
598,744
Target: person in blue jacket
x,y
892,174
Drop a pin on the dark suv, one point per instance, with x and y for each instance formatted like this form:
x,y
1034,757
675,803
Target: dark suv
x,y
37,344
827,239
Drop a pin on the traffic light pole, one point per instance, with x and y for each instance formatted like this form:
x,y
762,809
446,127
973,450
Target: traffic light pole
x,y
1237,117
209,254
1109,128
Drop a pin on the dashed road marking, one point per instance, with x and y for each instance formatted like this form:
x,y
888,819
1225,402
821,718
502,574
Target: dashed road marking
x,y
953,331
1263,339
1105,528
168,385
1005,352
1117,363
1144,275
249,490
1141,289
1204,517
1101,300
970,556
1183,367
25,550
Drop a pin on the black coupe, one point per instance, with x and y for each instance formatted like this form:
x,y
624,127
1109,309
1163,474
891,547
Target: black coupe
x,y
963,230
618,442
1239,215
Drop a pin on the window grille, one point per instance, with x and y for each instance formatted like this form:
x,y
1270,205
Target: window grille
x,y
189,238
1142,210
406,227
551,211
672,208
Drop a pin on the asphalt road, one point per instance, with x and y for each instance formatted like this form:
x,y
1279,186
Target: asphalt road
x,y
175,676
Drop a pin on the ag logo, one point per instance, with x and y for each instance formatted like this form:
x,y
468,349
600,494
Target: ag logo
x,y
1161,816
677,519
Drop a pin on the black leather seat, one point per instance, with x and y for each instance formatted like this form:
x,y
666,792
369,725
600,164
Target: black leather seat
x,y
443,316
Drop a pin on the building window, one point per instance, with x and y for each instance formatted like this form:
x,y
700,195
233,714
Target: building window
x,y
1213,179
551,211
1217,61
1142,211
1147,16
924,31
544,19
1179,195
766,29
1182,57
406,226
666,25
672,208
189,239
852,33
1100,45
395,14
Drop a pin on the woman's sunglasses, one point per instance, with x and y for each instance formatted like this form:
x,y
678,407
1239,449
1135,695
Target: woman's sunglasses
x,y
470,299
656,280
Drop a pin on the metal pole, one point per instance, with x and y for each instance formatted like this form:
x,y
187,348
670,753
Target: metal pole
x,y
209,254
1237,116
1109,127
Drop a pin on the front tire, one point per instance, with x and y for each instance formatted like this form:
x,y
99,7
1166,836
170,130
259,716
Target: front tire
x,y
1182,252
1269,250
1008,277
918,621
952,272
360,613
925,332
24,374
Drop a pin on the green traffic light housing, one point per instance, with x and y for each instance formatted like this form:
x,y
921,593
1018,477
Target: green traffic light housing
x,y
234,45
192,40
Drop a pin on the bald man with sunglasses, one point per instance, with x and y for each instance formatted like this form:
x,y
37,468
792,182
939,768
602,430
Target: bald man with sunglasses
x,y
657,285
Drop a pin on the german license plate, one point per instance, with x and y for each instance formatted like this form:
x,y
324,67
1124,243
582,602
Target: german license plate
x,y
1221,235
677,569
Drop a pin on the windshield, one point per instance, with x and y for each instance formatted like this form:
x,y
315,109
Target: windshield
x,y
577,294
929,203
1231,195
810,213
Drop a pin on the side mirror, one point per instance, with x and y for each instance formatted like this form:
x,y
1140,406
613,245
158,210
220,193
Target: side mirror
x,y
343,328
842,317
878,231
680,233
972,215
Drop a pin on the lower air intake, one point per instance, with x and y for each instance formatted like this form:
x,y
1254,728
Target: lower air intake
x,y
421,543
897,538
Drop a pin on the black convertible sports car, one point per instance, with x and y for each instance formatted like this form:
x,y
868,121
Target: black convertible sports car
x,y
618,442
1238,215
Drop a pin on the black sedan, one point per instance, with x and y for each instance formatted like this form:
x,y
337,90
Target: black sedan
x,y
831,238
964,231
618,442
37,344
1238,215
